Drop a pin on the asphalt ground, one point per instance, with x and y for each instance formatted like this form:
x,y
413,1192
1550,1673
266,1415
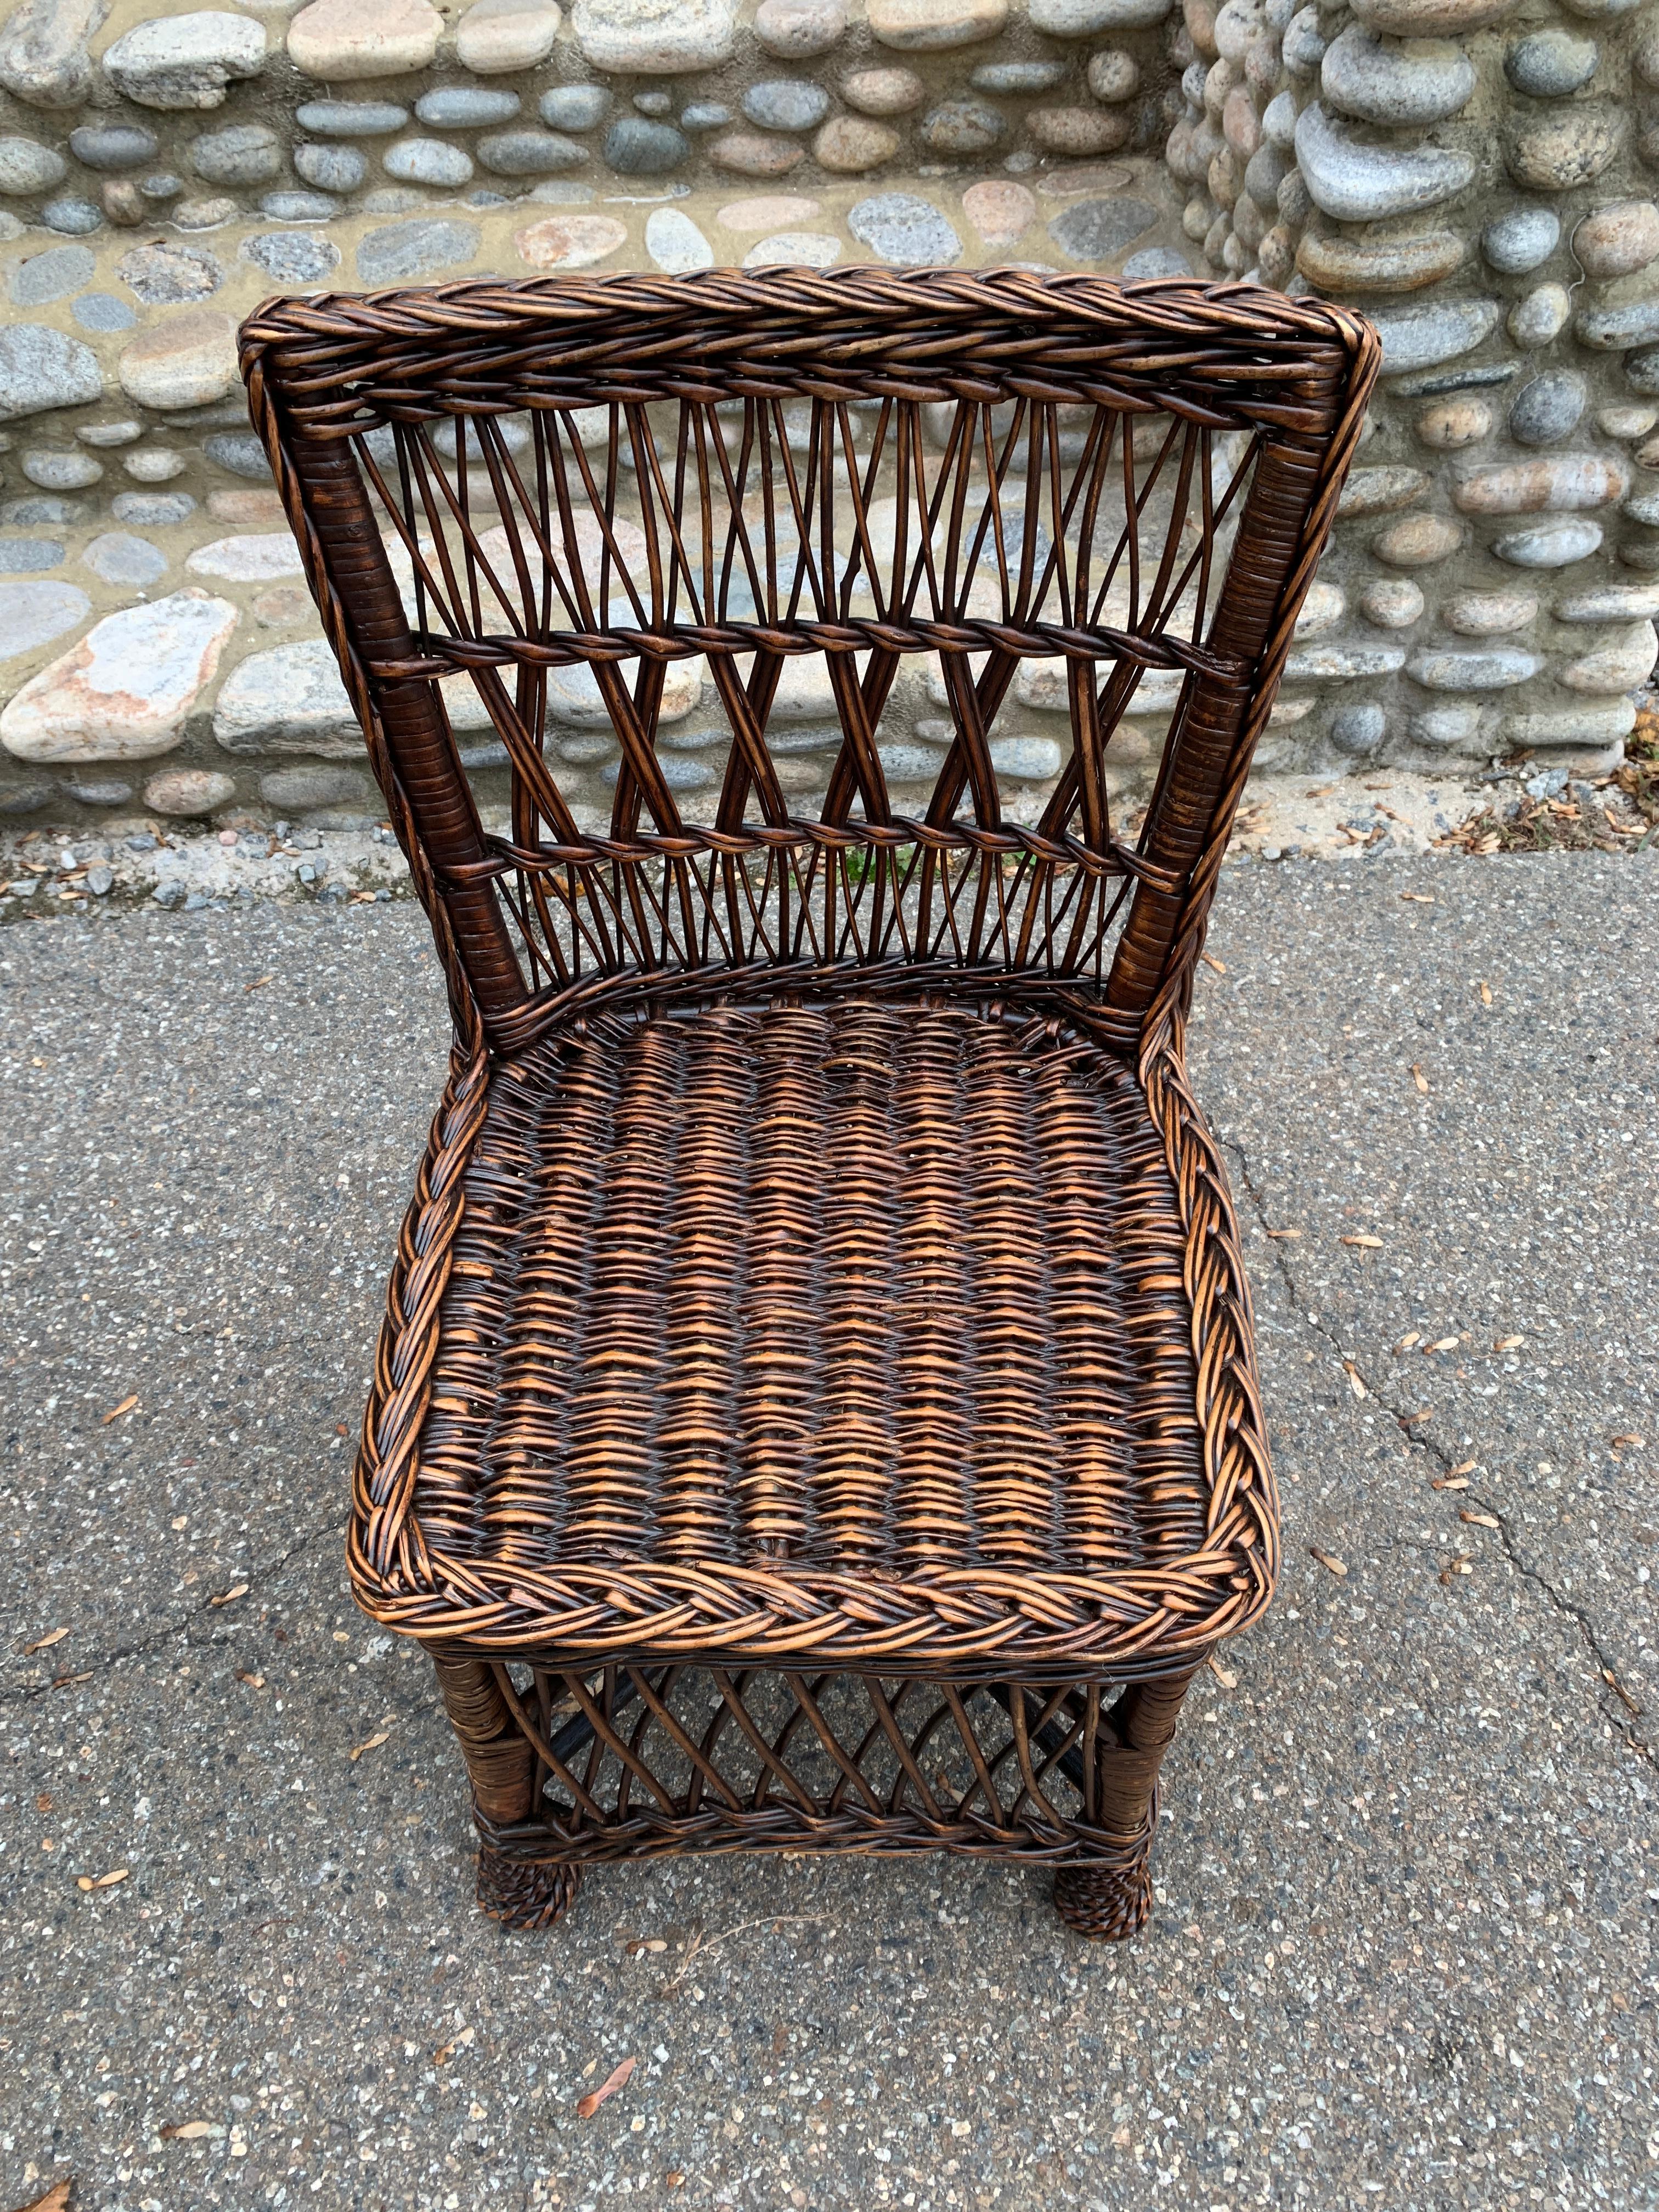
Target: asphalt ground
x,y
1408,1874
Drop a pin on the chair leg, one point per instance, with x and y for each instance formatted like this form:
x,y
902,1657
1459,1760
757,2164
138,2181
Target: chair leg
x,y
1109,1898
501,1768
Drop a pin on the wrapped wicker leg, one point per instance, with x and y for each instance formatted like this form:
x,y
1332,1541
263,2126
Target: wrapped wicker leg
x,y
819,1371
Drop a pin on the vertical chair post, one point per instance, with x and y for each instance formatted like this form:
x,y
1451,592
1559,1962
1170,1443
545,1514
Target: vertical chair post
x,y
1109,1897
416,729
501,1765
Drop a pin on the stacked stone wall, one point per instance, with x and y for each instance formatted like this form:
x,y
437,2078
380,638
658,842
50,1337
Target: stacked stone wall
x,y
1470,175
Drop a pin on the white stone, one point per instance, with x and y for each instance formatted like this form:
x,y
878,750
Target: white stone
x,y
288,699
40,368
1082,19
1550,544
1617,662
573,697
248,559
675,243
932,26
1541,316
498,35
1437,670
1609,602
655,37
1489,614
1421,337
1395,82
1321,610
341,41
124,692
186,62
1577,728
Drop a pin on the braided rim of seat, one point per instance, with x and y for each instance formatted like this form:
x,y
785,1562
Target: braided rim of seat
x,y
1146,1619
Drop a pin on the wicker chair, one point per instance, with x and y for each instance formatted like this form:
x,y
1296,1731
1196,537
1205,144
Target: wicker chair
x,y
817,1407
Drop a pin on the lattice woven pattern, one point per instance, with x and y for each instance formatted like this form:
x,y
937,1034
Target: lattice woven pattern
x,y
818,1258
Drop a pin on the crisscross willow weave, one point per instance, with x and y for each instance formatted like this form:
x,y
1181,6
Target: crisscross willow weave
x,y
818,1261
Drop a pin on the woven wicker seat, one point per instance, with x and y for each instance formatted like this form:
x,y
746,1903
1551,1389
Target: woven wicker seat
x,y
817,1407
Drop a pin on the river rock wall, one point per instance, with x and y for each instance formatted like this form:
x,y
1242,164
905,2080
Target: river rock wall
x,y
1471,175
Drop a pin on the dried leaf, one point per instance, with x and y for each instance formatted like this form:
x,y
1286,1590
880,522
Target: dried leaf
x,y
1337,1567
587,2106
1420,1078
187,2130
1418,898
1479,1520
1406,1342
1620,1693
371,1743
1635,1442
253,1681
257,984
1411,1420
1509,1344
1225,1675
1449,1482
1355,1383
116,1412
1463,1564
1366,1243
55,2200
673,2178
1486,994
1286,1235
1442,1344
652,1943
229,1596
101,1881
57,1635
1210,961
1466,1467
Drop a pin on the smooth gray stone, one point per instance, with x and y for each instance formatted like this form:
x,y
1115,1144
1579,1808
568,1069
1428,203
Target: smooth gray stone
x,y
297,207
466,107
1549,64
41,508
26,167
152,510
1642,371
163,185
428,162
1356,183
635,147
1358,730
1616,330
1549,544
1098,230
44,57
1495,669
56,471
1034,758
102,312
1331,661
1264,172
113,146
51,276
529,152
1156,261
1643,507
1612,603
292,256
20,554
240,452
1429,383
1443,728
1017,76
74,218
20,798
241,154
106,791
1304,44
1421,337
331,169
409,249
41,367
704,115
786,103
1278,121
1547,408
1380,81
118,557
351,119
904,231
962,126
302,788
653,103
575,107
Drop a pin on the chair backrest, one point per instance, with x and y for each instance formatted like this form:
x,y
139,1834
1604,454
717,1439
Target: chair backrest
x,y
568,500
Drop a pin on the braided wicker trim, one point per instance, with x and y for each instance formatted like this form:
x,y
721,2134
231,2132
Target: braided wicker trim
x,y
1142,1621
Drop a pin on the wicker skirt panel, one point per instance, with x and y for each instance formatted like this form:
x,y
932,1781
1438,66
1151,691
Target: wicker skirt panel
x,y
863,1329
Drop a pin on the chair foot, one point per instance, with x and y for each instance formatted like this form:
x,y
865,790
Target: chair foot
x,y
523,1895
1106,1904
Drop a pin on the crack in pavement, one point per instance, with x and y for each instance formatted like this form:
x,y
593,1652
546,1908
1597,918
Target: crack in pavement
x,y
264,1573
1620,1722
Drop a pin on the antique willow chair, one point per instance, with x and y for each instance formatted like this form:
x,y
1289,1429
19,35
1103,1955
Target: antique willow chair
x,y
817,1407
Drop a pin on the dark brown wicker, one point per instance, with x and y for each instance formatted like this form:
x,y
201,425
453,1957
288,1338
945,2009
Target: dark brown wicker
x,y
818,1359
